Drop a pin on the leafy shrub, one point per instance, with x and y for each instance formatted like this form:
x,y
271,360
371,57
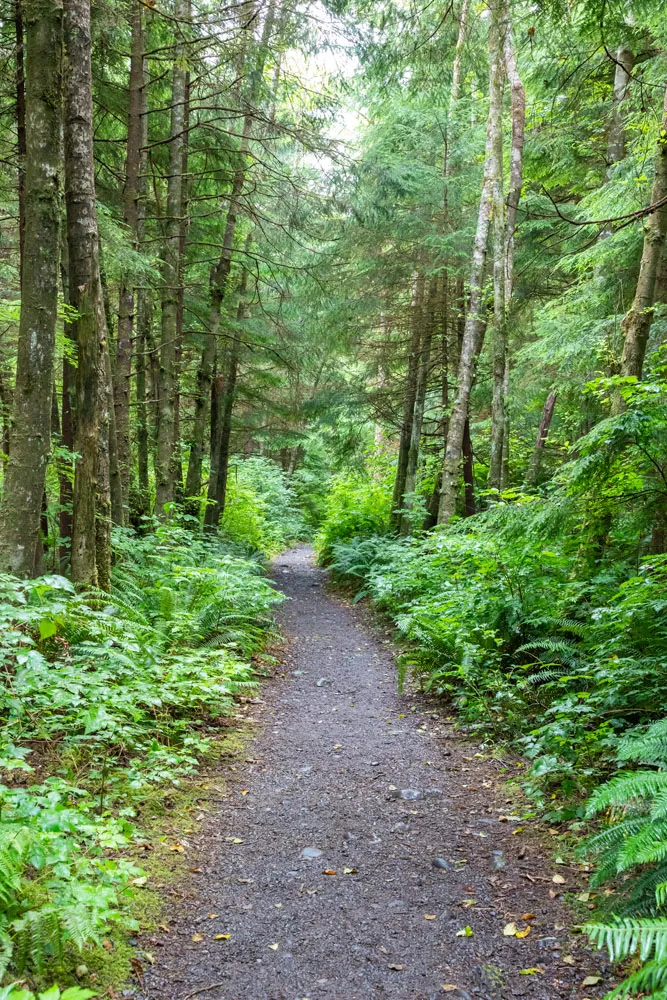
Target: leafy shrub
x,y
261,509
16,992
120,688
357,507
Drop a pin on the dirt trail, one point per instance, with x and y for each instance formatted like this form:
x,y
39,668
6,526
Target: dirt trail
x,y
336,767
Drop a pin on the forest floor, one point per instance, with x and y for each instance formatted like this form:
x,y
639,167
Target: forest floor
x,y
418,861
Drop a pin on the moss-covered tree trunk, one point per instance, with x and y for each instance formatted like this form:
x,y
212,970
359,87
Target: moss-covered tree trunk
x,y
171,269
91,504
30,431
133,211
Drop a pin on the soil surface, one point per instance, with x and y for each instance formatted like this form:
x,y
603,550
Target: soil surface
x,y
411,836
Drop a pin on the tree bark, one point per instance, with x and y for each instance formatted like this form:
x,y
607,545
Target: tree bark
x,y
468,471
423,372
636,324
473,333
498,29
409,396
142,368
542,434
20,128
133,213
164,483
231,372
625,61
30,432
91,513
220,273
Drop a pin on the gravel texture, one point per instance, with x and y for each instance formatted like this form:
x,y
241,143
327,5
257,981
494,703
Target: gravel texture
x,y
359,839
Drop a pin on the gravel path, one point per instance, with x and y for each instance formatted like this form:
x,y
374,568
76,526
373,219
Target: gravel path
x,y
345,767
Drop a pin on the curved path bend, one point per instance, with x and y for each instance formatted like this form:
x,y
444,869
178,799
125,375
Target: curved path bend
x,y
344,766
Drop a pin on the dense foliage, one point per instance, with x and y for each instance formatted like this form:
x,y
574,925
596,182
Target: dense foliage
x,y
104,697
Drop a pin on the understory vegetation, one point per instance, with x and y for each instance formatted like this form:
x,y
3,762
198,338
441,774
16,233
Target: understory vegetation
x,y
543,620
107,697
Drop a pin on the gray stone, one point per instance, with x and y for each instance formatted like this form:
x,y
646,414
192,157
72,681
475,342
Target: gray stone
x,y
442,863
499,859
411,794
311,853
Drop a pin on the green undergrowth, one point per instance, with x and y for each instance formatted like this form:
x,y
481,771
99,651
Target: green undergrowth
x,y
543,621
111,705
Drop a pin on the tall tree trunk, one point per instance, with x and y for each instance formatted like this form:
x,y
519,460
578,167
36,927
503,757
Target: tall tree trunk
x,y
231,371
498,15
177,462
473,333
468,471
636,324
67,410
220,273
20,128
30,433
419,404
409,395
143,385
133,212
505,469
90,533
164,483
542,434
625,61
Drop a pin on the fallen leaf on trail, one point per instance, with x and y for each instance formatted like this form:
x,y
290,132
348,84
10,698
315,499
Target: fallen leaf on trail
x,y
212,916
329,871
448,987
524,933
349,871
558,879
519,829
177,847
107,944
383,950
528,916
591,980
142,880
244,791
568,959
466,931
467,903
396,968
583,897
530,972
430,916
274,946
194,869
197,938
221,937
338,746
509,930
